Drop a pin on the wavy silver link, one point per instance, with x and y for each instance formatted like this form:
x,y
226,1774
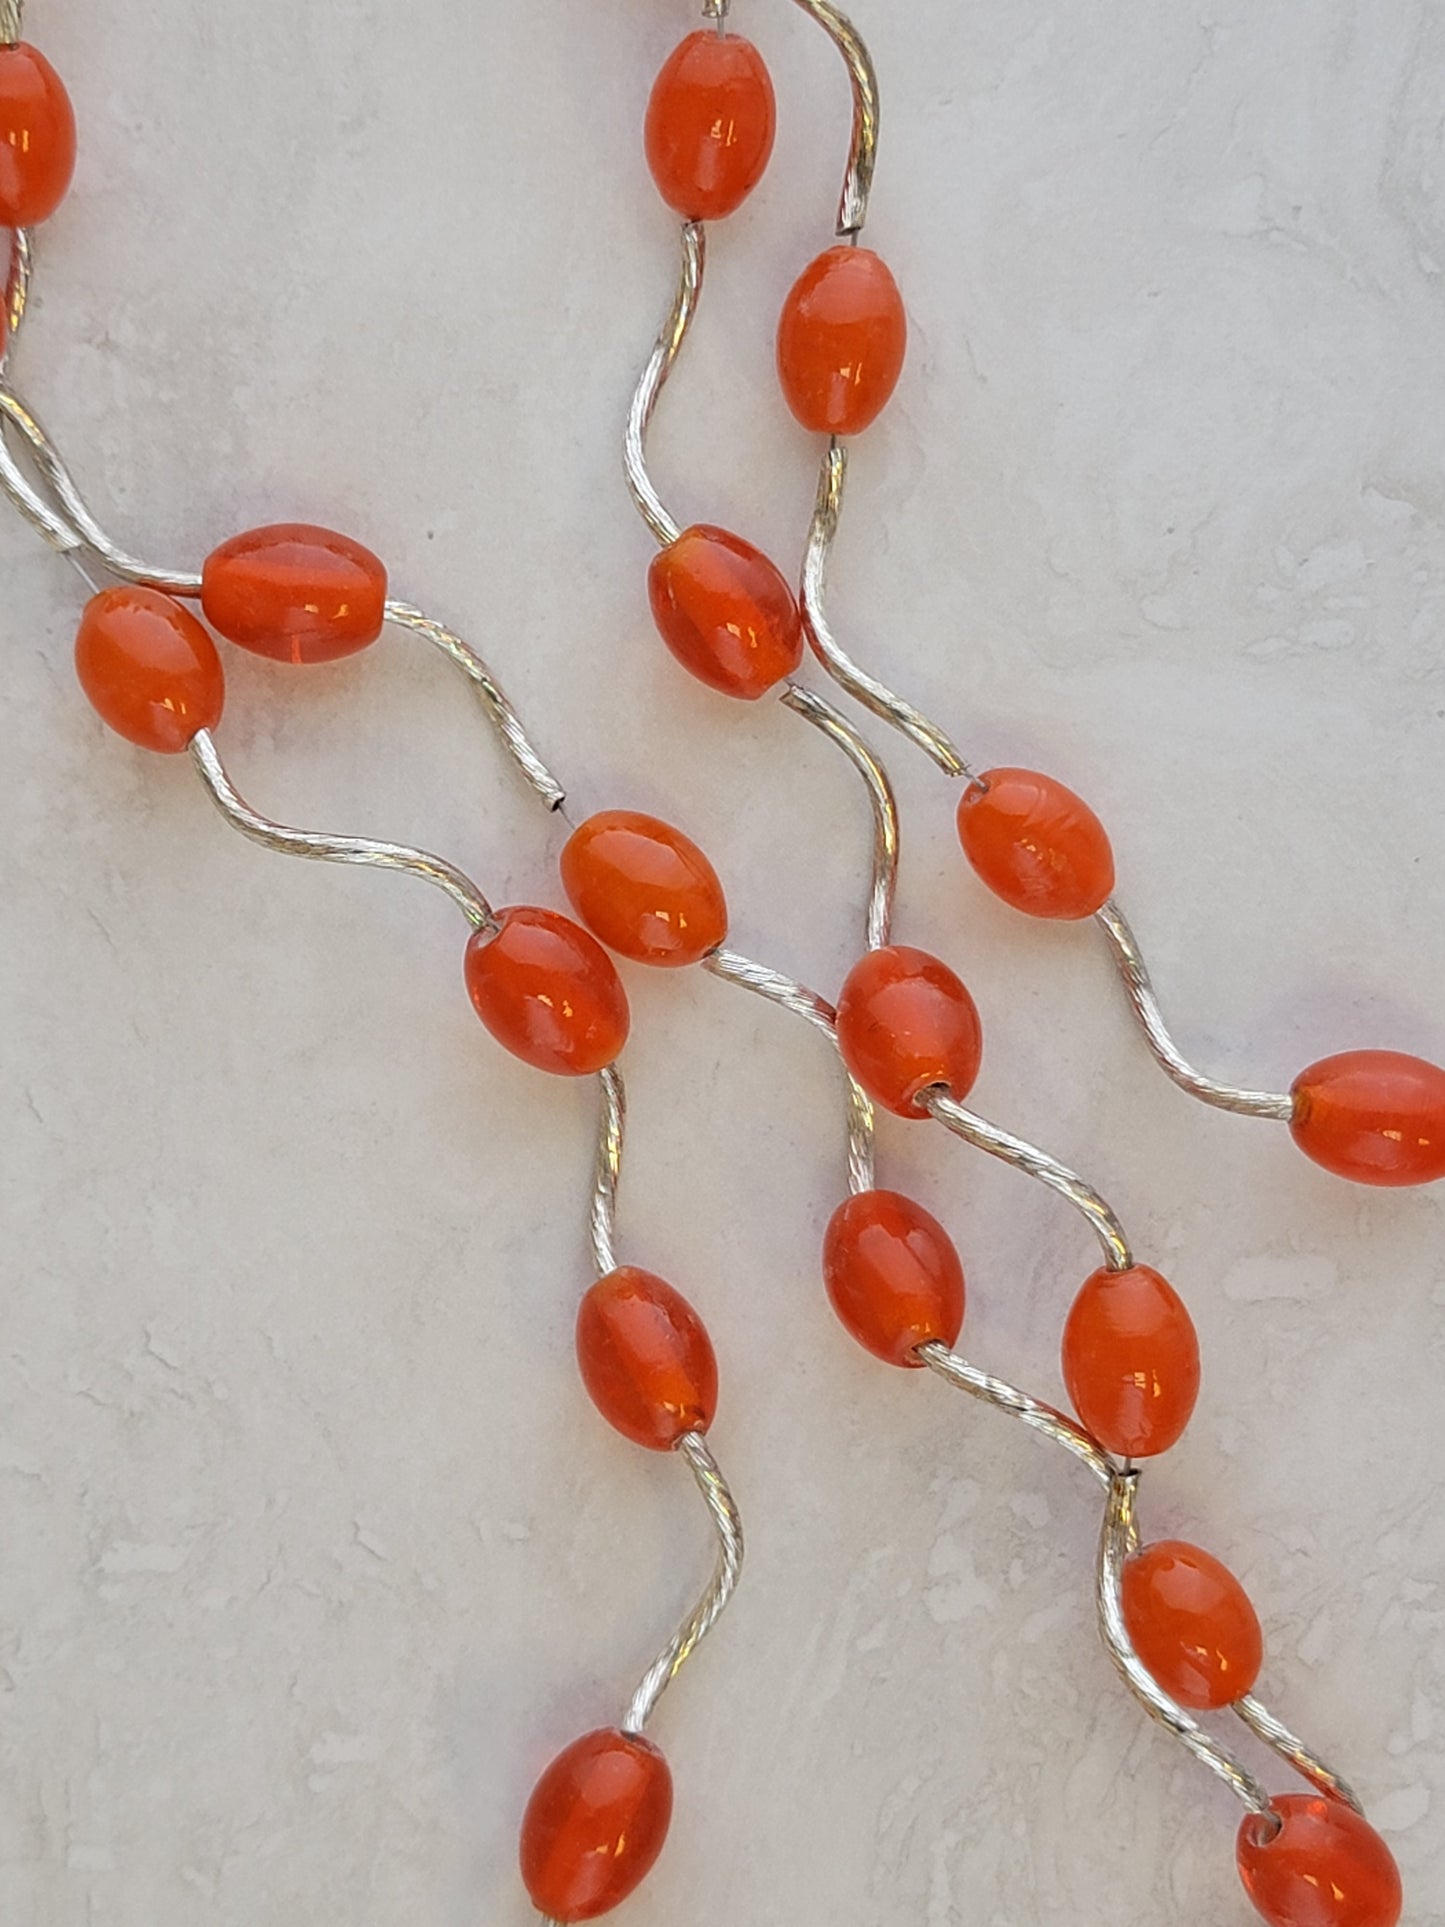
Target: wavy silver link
x,y
324,848
884,887
1029,1411
17,292
1275,1734
607,1170
1145,1006
12,20
863,79
720,1588
1035,1163
650,505
1119,1535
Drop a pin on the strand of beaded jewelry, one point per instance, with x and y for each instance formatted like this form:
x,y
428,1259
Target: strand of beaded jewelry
x,y
909,1034
600,1813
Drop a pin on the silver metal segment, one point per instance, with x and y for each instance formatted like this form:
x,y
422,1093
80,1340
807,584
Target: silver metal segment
x,y
500,713
12,20
650,506
1119,1535
720,1588
17,291
607,1170
1275,1734
335,849
863,688
863,78
1025,1157
1030,1411
1145,1005
884,887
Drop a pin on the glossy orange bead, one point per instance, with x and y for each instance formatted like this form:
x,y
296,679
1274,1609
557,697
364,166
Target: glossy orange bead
x,y
726,612
1036,844
548,992
893,1276
295,593
1192,1624
905,1021
842,341
644,888
149,668
1323,1867
595,1825
646,1359
1131,1361
37,137
1377,1116
710,125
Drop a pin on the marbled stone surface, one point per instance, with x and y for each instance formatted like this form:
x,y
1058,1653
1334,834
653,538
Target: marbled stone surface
x,y
313,1550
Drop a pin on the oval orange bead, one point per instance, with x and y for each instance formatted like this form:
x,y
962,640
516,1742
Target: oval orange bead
x,y
1377,1116
1192,1624
149,668
710,125
893,1276
595,1825
726,612
1131,1361
548,992
37,137
842,341
905,1021
1323,1867
646,1359
1036,844
644,888
295,593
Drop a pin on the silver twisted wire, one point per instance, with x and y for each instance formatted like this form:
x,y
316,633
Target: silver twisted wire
x,y
607,1169
1030,1411
1275,1734
1145,1006
650,505
12,20
719,1590
325,848
863,79
18,277
884,885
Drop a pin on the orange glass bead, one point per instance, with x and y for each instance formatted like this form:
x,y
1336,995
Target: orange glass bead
x,y
842,341
1192,1624
646,1359
295,593
1036,844
710,125
1377,1116
905,1021
548,992
644,888
1131,1361
1322,1867
149,668
726,612
893,1276
595,1825
37,137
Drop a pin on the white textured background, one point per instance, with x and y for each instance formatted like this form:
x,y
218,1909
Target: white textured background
x,y
313,1551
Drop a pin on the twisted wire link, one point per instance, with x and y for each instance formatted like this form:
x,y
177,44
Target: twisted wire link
x,y
650,506
728,1526
863,79
1275,1734
607,1170
1145,1006
884,886
325,848
12,20
17,289
1030,1411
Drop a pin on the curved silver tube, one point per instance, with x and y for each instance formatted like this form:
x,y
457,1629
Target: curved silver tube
x,y
1276,1735
17,289
607,1170
1119,1535
720,1588
334,849
863,78
1029,1411
650,506
1145,1006
1034,1163
884,887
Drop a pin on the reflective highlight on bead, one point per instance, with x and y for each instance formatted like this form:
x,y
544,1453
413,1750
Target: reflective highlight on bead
x,y
37,137
710,127
295,593
1131,1361
644,888
1036,844
1376,1116
726,612
1192,1624
1322,1867
646,1359
149,668
595,1825
548,992
842,341
905,1022
893,1276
